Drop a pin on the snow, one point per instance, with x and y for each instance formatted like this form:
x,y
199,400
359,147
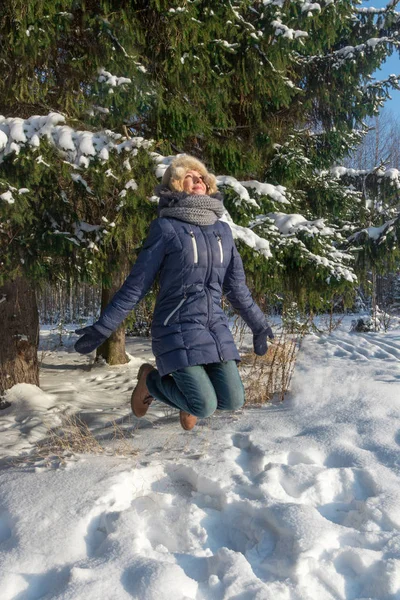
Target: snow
x,y
310,6
291,501
291,224
86,144
112,80
65,138
248,237
131,185
3,140
41,161
7,197
276,192
392,174
287,32
79,179
79,147
104,154
374,233
243,194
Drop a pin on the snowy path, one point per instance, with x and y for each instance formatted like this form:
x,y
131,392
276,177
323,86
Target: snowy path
x,y
285,502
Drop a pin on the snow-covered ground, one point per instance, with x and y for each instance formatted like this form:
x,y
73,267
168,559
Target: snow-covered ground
x,y
290,501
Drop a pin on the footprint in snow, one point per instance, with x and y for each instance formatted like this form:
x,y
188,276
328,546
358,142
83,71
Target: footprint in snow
x,y
41,585
5,527
251,458
98,529
299,458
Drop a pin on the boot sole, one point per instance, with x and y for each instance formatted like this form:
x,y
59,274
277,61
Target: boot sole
x,y
139,391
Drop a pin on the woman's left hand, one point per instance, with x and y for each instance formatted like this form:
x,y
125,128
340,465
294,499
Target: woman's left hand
x,y
260,341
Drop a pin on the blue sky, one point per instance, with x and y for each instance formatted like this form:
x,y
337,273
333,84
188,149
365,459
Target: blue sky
x,y
392,65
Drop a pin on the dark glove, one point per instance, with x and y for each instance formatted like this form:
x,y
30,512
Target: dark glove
x,y
90,340
260,341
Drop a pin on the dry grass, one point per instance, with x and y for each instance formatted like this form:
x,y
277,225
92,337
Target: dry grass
x,y
74,437
267,377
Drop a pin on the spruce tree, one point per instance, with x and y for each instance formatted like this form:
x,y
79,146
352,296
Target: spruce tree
x,y
269,94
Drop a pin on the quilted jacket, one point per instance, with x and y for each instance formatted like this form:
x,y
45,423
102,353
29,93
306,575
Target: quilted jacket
x,y
196,265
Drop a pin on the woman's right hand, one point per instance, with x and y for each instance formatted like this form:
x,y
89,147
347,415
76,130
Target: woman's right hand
x,y
90,340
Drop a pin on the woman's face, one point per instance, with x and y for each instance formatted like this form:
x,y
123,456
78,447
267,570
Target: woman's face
x,y
193,183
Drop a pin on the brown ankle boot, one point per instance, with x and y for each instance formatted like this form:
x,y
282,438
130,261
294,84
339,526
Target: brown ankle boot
x,y
141,397
187,420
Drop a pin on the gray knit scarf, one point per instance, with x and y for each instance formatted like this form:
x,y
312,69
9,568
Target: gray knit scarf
x,y
199,210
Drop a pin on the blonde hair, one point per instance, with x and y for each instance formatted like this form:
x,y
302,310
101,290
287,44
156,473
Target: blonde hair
x,y
175,174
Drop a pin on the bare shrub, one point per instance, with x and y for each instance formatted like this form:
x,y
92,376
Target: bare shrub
x,y
269,376
239,330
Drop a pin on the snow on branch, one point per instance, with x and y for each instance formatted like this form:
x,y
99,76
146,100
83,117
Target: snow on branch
x,y
287,32
304,4
292,224
78,147
339,57
276,192
284,230
391,175
238,187
371,10
379,91
111,80
375,234
248,237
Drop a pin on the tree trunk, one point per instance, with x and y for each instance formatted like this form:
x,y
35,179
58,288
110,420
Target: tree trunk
x,y
19,334
113,349
374,300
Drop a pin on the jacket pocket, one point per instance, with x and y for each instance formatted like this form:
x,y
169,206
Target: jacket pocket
x,y
195,252
171,314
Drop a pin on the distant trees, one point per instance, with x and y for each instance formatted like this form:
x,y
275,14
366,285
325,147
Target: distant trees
x,y
380,145
373,170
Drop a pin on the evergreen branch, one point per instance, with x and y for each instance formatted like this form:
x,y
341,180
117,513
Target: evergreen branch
x,y
392,80
114,38
375,233
266,59
389,8
239,18
348,52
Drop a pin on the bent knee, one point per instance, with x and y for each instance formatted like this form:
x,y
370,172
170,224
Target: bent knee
x,y
237,401
203,410
233,402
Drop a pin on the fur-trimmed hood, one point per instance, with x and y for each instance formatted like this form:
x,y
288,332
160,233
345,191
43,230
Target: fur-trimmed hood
x,y
175,173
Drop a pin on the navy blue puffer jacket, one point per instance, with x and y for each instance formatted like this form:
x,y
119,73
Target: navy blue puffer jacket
x,y
196,264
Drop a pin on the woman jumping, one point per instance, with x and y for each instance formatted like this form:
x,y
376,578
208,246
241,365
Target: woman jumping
x,y
196,257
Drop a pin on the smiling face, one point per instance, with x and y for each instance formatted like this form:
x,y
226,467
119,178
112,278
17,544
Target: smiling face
x,y
193,183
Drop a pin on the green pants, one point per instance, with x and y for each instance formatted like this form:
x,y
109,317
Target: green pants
x,y
199,390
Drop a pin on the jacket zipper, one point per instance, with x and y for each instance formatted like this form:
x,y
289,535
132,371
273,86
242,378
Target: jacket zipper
x,y
221,250
195,253
175,309
208,273
208,294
